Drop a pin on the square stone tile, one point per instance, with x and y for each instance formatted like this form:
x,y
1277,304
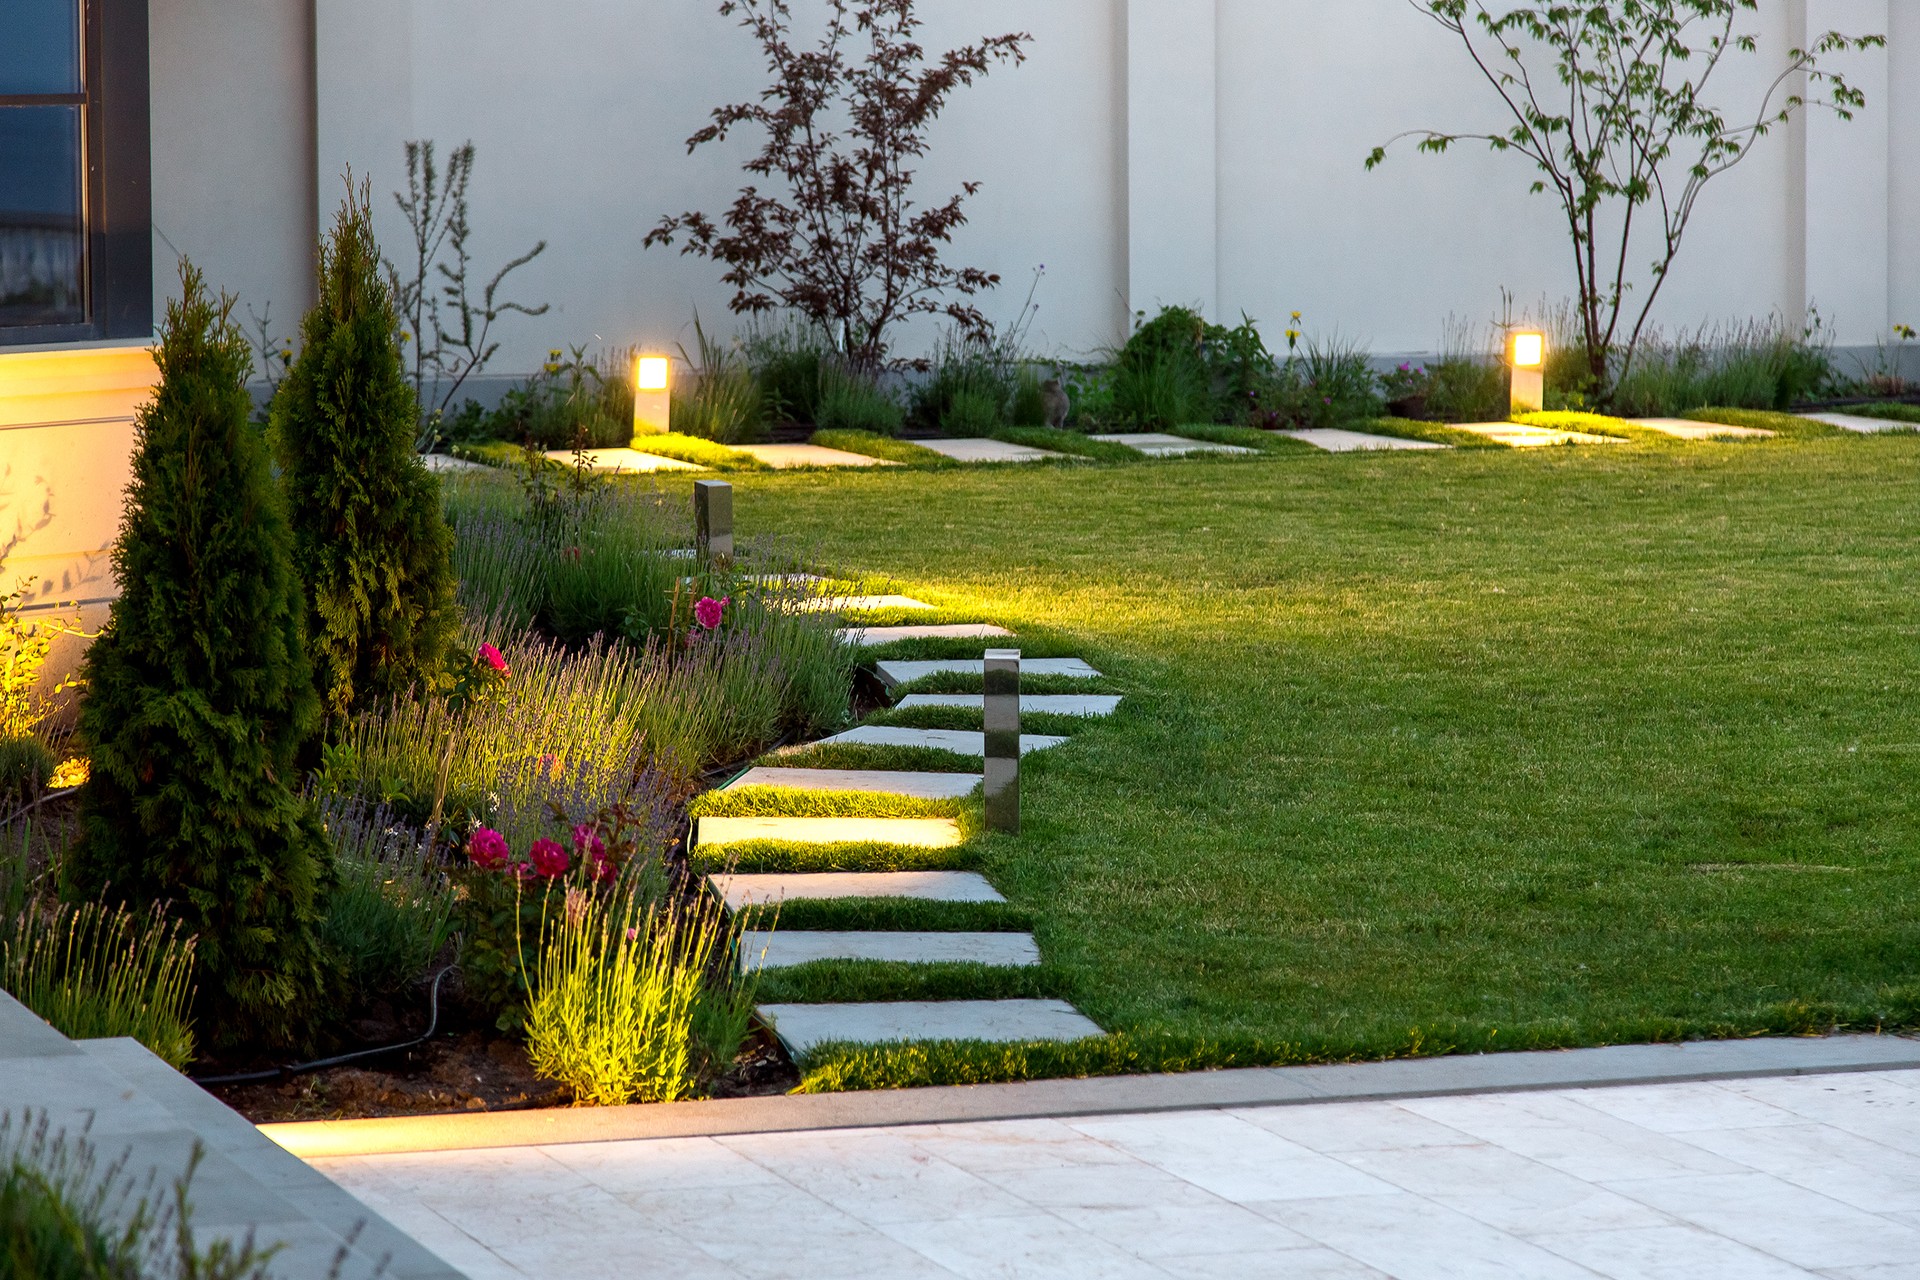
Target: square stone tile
x,y
918,833
1337,440
1682,1108
1282,1264
932,886
982,449
803,1026
1776,1217
959,741
1410,1238
871,637
1675,1252
1231,1158
921,786
1503,1190
1558,1132
1334,1127
783,949
781,457
1032,1244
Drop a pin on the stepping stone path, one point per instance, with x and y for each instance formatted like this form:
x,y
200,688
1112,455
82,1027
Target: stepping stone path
x,y
1339,440
920,786
894,674
1158,444
872,637
1052,704
958,741
782,457
1687,429
1517,435
804,1026
981,449
1866,426
856,604
446,462
760,950
623,461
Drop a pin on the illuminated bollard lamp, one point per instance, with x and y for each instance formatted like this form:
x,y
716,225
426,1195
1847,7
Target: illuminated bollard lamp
x,y
652,396
1002,723
1527,358
713,519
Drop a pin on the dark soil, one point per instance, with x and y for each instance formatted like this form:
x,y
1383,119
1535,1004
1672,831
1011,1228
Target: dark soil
x,y
462,1071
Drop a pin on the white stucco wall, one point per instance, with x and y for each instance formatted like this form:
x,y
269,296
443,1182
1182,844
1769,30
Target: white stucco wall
x,y
1148,152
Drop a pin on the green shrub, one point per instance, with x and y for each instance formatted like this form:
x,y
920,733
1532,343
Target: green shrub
x,y
392,910
199,695
849,401
786,363
95,971
1160,390
25,766
1460,389
1759,365
63,1217
969,390
1891,411
722,399
573,400
369,539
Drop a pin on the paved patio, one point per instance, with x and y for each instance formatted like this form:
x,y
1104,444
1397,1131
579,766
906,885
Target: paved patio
x,y
1813,1175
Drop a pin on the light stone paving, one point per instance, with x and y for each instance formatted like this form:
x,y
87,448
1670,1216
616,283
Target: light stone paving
x,y
1054,704
958,741
918,833
1770,1179
782,457
1159,444
805,1026
853,604
1688,429
904,672
623,461
982,449
446,462
1865,426
870,637
920,786
738,891
1518,436
784,949
1339,440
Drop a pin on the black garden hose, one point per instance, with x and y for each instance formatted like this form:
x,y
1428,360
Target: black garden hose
x,y
321,1064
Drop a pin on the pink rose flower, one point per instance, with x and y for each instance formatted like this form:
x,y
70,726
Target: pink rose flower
x,y
604,872
488,849
708,611
491,656
547,858
586,839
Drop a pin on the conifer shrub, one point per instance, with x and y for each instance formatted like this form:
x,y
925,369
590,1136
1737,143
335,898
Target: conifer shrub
x,y
369,539
200,693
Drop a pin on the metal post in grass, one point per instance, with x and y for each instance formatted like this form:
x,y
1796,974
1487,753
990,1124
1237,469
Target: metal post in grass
x,y
713,518
1002,722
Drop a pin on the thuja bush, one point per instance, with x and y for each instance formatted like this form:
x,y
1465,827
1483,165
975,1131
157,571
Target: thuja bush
x,y
368,535
200,693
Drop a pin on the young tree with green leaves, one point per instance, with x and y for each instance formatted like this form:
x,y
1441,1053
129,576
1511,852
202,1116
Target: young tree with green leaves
x,y
199,694
1610,101
369,537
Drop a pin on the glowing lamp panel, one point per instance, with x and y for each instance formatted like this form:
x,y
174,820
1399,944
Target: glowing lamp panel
x,y
650,373
1529,350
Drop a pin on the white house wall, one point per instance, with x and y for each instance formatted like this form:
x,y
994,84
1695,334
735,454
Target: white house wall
x,y
1148,152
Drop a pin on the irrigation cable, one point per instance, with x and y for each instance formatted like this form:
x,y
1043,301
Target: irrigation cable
x,y
321,1064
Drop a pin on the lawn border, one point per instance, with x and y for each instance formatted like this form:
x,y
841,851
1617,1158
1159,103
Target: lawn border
x,y
1607,1067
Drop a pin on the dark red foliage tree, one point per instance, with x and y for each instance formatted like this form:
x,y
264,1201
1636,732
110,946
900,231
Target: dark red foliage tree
x,y
844,244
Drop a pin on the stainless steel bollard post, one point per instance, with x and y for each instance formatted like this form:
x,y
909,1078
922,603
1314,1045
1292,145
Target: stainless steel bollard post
x,y
1003,740
713,518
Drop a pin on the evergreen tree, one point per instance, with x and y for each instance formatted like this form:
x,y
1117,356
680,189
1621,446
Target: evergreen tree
x,y
199,694
369,538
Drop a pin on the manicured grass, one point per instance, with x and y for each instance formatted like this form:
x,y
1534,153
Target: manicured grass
x,y
1890,410
703,453
765,856
1593,424
971,718
960,682
1071,443
1431,432
872,445
1788,426
794,802
1472,749
853,755
1245,437
858,981
898,915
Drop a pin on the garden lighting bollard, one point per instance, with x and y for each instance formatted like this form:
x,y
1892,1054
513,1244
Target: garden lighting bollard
x,y
1527,358
713,518
1003,740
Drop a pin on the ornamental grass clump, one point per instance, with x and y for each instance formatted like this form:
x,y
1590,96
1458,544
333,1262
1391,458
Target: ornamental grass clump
x,y
369,538
392,910
199,696
95,971
615,998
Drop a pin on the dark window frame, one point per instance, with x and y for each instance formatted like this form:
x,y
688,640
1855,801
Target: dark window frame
x,y
118,194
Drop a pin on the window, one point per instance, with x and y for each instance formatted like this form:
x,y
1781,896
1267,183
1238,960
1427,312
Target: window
x,y
75,255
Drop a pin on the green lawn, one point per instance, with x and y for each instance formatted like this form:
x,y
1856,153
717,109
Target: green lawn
x,y
1493,748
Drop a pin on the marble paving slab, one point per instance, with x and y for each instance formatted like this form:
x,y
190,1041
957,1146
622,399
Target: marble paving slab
x,y
782,949
446,462
783,456
824,886
803,1026
900,672
1688,429
1053,704
1517,435
1865,426
1340,440
623,461
853,604
870,637
1159,444
920,833
982,449
921,786
958,741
